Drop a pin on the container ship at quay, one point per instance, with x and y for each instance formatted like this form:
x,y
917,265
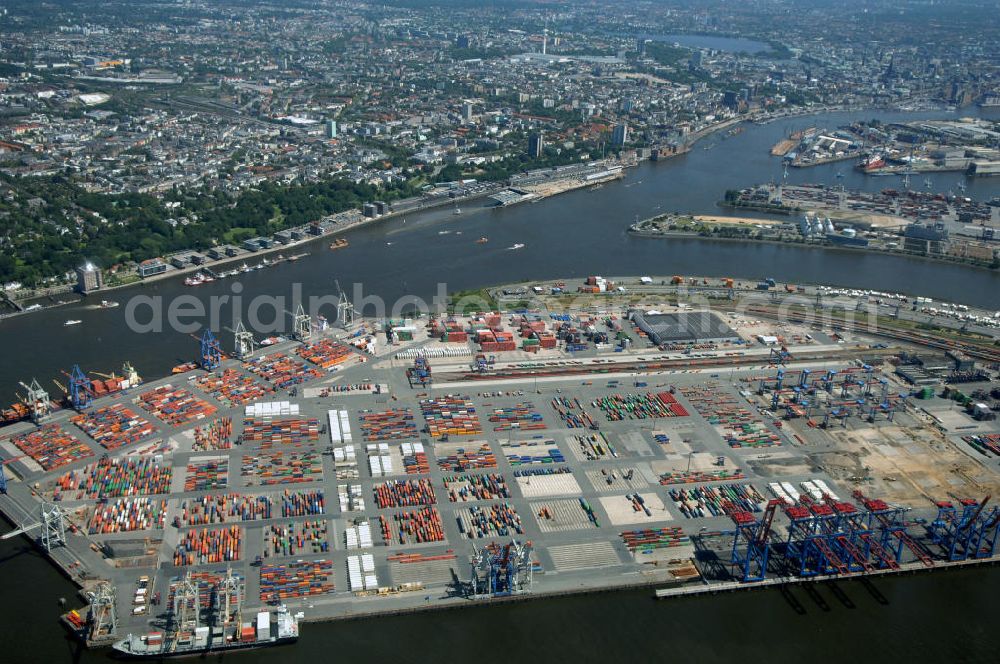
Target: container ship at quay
x,y
93,388
186,637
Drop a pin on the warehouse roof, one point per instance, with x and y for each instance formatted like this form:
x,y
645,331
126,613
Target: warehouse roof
x,y
684,327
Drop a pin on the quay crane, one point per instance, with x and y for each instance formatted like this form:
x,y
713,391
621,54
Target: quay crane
x,y
890,520
751,541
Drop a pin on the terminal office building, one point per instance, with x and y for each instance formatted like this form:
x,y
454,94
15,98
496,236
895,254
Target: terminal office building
x,y
684,327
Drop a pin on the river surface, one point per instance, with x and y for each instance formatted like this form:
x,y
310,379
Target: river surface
x,y
571,235
938,617
730,44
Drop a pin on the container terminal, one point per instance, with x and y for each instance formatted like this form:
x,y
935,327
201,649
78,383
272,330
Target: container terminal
x,y
673,433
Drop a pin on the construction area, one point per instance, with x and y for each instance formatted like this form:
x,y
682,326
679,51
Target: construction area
x,y
386,466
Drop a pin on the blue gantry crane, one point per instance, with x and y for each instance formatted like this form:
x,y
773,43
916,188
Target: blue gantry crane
x,y
81,394
827,380
751,541
888,519
984,537
776,356
808,546
499,570
3,473
855,542
779,378
967,533
420,372
211,352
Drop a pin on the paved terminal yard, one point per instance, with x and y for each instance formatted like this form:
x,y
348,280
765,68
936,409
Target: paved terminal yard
x,y
624,477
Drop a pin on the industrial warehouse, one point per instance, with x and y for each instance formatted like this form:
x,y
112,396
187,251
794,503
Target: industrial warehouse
x,y
684,327
398,465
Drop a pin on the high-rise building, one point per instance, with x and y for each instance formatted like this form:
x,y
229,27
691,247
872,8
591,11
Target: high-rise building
x,y
536,145
88,278
467,109
331,129
619,135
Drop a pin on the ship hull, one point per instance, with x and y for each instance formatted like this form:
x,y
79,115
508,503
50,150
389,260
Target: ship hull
x,y
200,652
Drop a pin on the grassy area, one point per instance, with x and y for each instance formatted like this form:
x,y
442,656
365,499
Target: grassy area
x,y
238,234
519,304
467,302
123,279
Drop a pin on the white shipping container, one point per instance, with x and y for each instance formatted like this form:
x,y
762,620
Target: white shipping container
x,y
791,491
334,421
263,625
777,491
822,486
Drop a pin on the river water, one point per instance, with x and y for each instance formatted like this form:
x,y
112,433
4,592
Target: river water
x,y
945,617
938,617
571,235
731,44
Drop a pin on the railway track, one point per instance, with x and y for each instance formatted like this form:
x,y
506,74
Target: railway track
x,y
977,351
722,362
